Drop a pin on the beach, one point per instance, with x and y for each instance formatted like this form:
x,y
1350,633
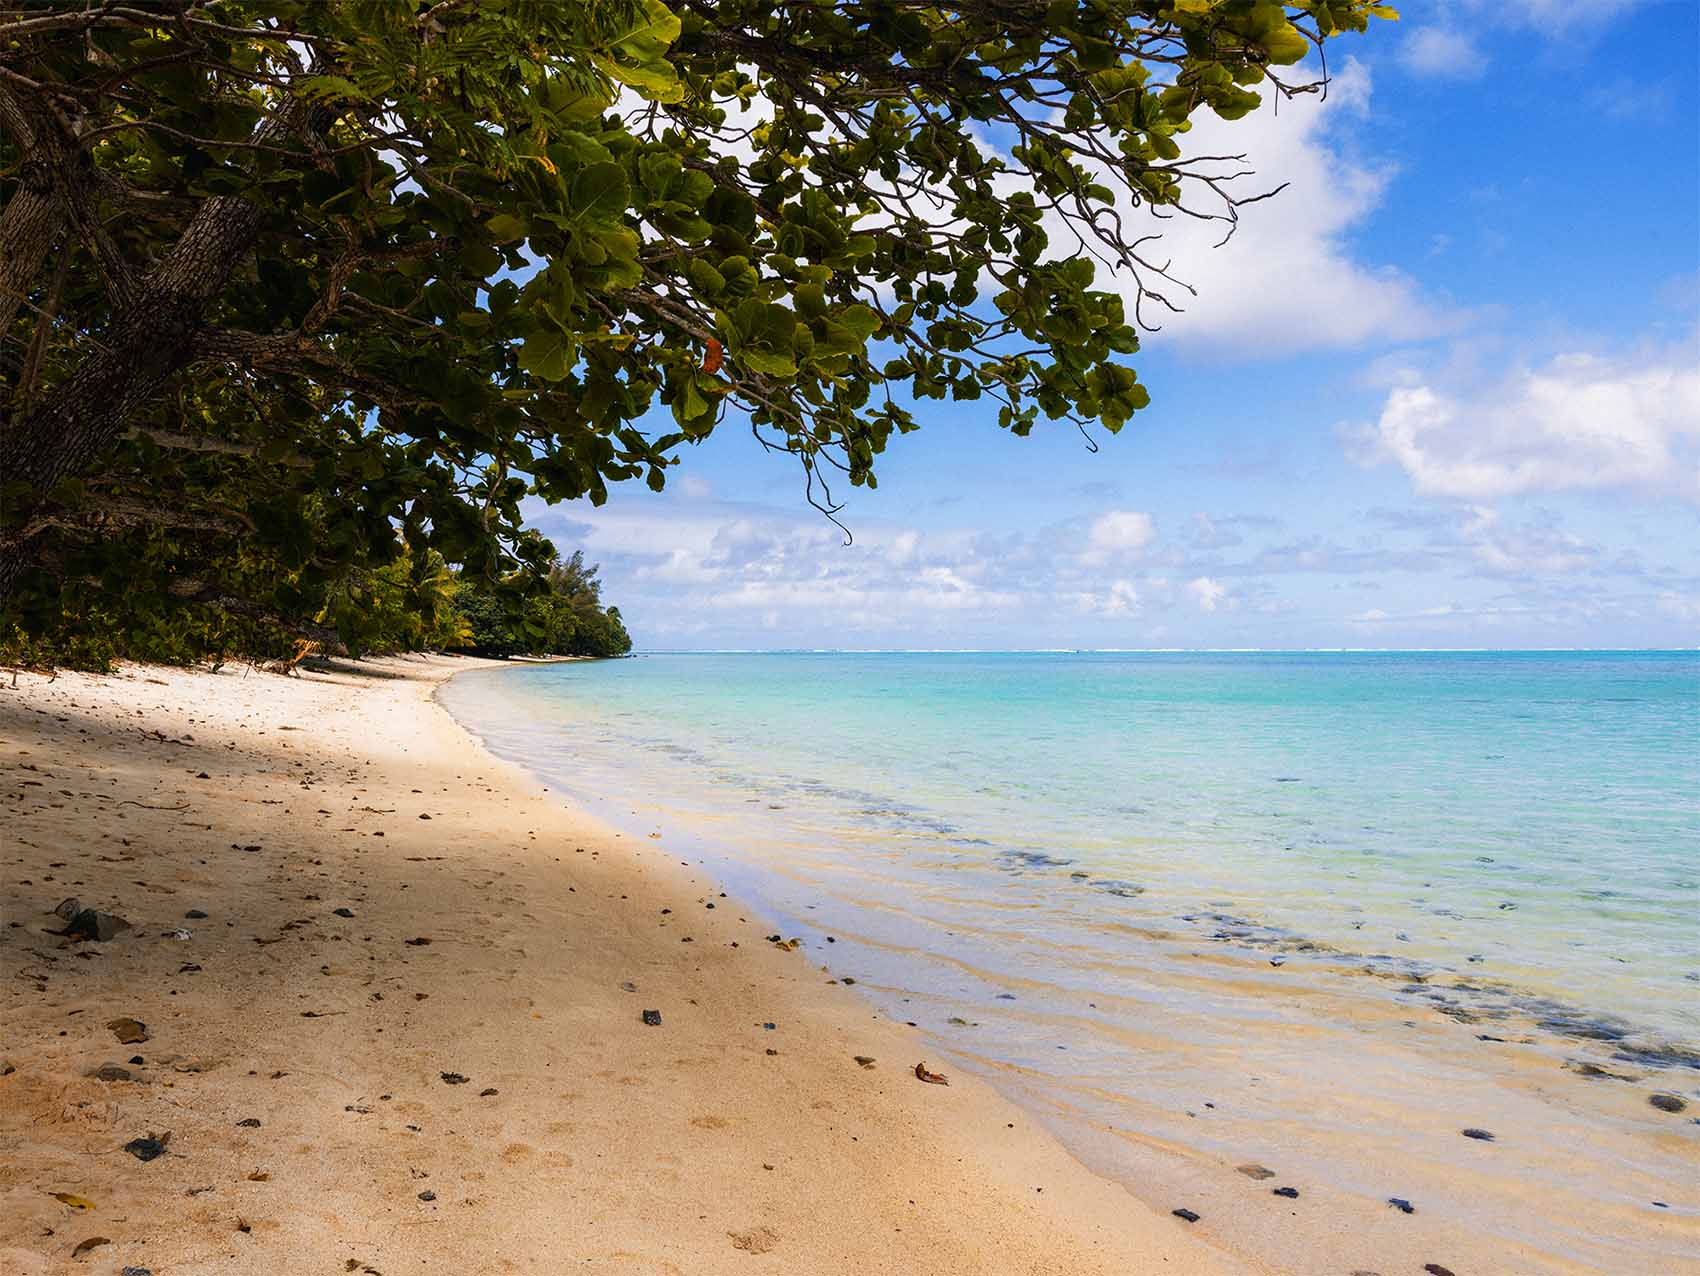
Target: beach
x,y
387,999
1286,939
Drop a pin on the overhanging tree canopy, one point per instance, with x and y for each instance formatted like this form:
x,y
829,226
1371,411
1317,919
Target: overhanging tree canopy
x,y
286,285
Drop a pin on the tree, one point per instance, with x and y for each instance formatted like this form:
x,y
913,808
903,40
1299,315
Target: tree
x,y
290,286
566,619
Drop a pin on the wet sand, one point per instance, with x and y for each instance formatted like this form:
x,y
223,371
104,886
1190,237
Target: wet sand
x,y
453,1073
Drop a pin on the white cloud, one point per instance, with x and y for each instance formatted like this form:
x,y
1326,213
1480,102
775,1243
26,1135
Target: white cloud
x,y
1287,280
1207,592
1120,599
1118,534
1582,421
1443,52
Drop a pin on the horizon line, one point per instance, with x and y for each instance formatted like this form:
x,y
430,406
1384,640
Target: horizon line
x,y
1150,651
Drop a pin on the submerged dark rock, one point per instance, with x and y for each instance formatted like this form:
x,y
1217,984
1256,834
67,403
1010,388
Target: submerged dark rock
x,y
1667,1102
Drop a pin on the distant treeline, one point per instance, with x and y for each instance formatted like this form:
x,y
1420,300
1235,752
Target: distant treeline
x,y
408,604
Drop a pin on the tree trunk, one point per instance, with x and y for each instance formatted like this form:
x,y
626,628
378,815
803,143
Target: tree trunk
x,y
31,217
152,340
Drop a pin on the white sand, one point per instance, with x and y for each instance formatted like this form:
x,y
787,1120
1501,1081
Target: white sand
x,y
709,1144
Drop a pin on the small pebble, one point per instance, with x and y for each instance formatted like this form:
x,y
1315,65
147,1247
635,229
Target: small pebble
x,y
1666,1102
195,915
249,1123
652,1018
1188,1215
427,1195
453,1078
1401,1204
1484,1136
1435,1269
145,1149
1291,1193
343,912
485,1094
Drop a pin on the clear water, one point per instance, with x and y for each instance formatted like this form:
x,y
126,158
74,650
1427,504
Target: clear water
x,y
1110,874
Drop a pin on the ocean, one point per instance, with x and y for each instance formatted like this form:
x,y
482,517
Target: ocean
x,y
1315,882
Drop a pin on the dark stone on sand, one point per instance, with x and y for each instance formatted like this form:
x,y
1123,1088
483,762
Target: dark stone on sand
x,y
485,1094
249,1123
89,924
1187,1215
110,1072
136,1058
145,1149
343,912
195,915
1666,1102
1401,1204
452,1078
1435,1269
652,1018
1484,1136
136,1271
427,1195
420,942
1291,1193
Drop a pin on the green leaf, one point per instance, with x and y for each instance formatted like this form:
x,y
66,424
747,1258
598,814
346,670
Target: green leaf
x,y
600,193
505,228
547,353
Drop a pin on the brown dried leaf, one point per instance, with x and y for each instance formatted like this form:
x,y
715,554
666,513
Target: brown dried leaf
x,y
931,1078
75,1202
93,1242
128,1031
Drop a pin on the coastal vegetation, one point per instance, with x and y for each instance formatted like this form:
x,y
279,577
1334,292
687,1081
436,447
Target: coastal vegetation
x,y
300,300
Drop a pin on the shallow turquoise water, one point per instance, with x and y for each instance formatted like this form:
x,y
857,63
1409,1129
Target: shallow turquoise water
x,y
1193,910
1538,812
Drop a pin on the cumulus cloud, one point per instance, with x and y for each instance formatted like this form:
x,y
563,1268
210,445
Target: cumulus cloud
x,y
1120,599
1580,422
1287,280
1207,593
1118,534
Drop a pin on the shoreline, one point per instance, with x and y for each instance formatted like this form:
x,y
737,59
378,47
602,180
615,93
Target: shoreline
x,y
710,1143
1355,1095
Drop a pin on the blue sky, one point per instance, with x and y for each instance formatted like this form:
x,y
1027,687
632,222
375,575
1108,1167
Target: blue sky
x,y
1443,392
